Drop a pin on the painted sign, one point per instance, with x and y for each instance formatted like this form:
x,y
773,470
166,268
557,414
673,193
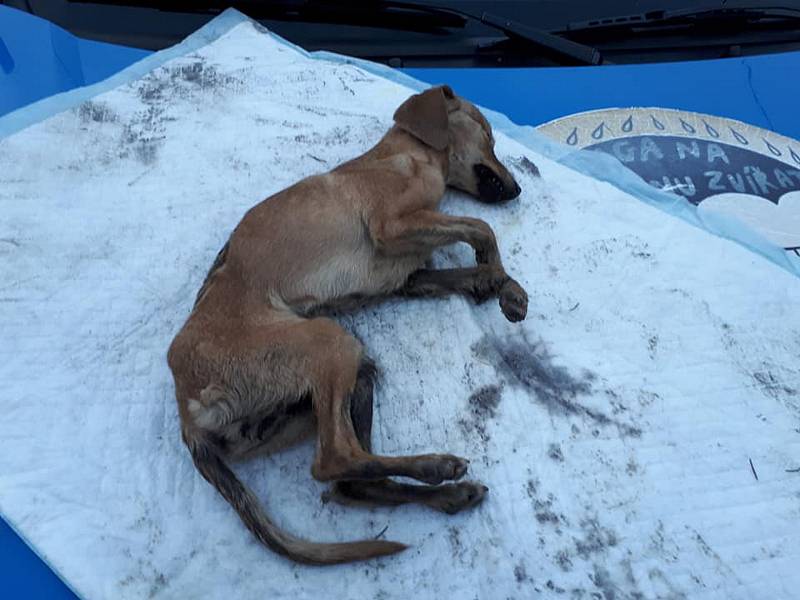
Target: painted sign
x,y
728,166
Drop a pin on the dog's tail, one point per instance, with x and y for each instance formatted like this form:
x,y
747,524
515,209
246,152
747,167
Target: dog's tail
x,y
211,466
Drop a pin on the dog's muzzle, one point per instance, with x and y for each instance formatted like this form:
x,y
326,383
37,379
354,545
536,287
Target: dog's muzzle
x,y
491,188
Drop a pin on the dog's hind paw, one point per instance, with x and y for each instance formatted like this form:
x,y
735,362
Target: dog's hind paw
x,y
454,497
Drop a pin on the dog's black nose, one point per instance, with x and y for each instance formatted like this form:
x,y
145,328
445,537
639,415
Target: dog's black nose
x,y
515,191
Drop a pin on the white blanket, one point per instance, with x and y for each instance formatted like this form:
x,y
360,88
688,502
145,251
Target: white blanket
x,y
637,431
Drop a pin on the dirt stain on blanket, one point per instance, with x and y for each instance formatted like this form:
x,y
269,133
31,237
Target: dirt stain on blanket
x,y
523,163
596,538
144,133
96,112
530,366
482,408
544,506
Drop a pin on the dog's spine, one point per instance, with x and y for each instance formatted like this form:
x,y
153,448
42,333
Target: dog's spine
x,y
211,466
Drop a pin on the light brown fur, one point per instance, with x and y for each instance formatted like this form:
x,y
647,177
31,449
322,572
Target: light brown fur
x,y
255,366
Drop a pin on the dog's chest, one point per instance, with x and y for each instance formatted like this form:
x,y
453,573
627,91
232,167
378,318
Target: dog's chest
x,y
389,275
360,273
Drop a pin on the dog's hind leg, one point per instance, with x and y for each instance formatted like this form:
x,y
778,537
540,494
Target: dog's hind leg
x,y
337,360
362,402
450,498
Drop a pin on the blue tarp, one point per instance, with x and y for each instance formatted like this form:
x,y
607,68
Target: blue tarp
x,y
38,59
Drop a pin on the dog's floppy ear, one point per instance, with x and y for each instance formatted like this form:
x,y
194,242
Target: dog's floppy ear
x,y
425,116
448,92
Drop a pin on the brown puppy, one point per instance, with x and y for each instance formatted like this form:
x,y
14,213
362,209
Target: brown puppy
x,y
255,371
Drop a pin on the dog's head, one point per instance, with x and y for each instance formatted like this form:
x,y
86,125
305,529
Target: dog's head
x,y
443,121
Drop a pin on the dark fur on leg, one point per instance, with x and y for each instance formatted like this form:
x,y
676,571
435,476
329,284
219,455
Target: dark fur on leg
x,y
361,402
449,498
480,283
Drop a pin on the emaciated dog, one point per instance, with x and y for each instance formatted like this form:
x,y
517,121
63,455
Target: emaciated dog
x,y
258,367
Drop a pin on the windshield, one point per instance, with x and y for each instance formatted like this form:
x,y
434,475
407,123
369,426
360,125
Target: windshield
x,y
453,33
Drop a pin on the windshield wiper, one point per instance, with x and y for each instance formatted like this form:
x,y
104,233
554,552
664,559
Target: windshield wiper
x,y
558,45
380,13
707,17
579,52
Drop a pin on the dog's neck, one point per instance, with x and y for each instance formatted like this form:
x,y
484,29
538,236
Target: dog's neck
x,y
396,141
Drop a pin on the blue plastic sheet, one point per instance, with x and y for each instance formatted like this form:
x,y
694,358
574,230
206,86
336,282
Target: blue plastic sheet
x,y
39,59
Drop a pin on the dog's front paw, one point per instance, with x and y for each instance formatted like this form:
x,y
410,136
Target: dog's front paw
x,y
435,468
513,301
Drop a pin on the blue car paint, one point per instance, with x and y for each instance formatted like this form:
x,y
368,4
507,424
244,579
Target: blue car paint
x,y
756,90
38,60
23,574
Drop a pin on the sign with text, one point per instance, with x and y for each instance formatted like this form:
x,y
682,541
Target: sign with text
x,y
726,165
